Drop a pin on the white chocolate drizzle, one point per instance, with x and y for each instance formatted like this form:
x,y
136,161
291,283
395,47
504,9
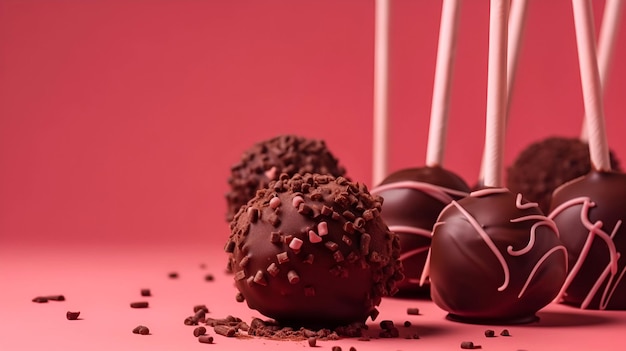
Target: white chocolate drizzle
x,y
595,230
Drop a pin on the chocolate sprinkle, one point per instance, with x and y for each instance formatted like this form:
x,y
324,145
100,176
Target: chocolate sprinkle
x,y
140,304
205,339
72,315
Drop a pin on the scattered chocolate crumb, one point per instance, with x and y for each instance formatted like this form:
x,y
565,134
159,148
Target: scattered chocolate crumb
x,y
55,297
386,324
40,299
173,275
141,329
197,308
225,330
413,310
407,324
209,277
72,315
352,348
336,348
189,321
146,292
505,332
469,345
239,297
312,341
205,339
199,331
139,304
490,333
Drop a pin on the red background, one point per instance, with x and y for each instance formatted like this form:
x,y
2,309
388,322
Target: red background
x,y
119,119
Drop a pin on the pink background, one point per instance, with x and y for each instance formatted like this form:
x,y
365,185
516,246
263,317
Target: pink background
x,y
119,119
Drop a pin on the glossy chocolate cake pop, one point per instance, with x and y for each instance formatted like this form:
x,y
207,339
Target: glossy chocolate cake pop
x,y
266,160
495,258
312,250
547,164
413,200
589,212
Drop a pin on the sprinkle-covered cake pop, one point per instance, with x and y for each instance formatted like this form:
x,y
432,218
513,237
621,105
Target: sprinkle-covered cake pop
x,y
547,164
495,258
413,200
590,211
267,159
312,250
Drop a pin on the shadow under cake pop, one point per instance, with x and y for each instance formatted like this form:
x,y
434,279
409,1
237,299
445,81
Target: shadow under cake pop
x,y
413,199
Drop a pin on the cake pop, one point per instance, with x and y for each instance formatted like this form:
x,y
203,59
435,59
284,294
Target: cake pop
x,y
312,250
495,257
267,159
589,210
413,200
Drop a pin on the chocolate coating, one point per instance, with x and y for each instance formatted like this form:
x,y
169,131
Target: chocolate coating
x,y
312,250
593,207
267,159
547,164
414,198
495,258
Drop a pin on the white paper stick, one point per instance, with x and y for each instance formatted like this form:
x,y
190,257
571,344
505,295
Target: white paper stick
x,y
590,80
381,81
496,92
443,77
606,43
517,21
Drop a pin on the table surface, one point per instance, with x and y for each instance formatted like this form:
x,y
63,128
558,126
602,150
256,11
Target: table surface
x,y
101,282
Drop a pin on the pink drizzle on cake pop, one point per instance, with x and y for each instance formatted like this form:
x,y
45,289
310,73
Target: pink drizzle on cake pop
x,y
440,193
595,230
543,220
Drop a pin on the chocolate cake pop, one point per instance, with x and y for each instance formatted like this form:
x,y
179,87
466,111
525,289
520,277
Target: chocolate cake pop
x,y
495,258
545,165
312,250
413,200
267,159
589,212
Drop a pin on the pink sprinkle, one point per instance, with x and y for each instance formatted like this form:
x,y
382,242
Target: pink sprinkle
x,y
322,228
295,244
314,238
297,200
274,202
271,173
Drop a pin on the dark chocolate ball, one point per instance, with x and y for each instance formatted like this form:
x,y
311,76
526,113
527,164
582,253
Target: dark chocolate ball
x,y
267,159
312,250
545,165
589,212
413,199
495,258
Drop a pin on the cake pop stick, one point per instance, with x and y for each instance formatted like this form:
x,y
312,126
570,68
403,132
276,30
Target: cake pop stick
x,y
443,76
381,80
606,44
517,20
496,92
591,85
415,196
